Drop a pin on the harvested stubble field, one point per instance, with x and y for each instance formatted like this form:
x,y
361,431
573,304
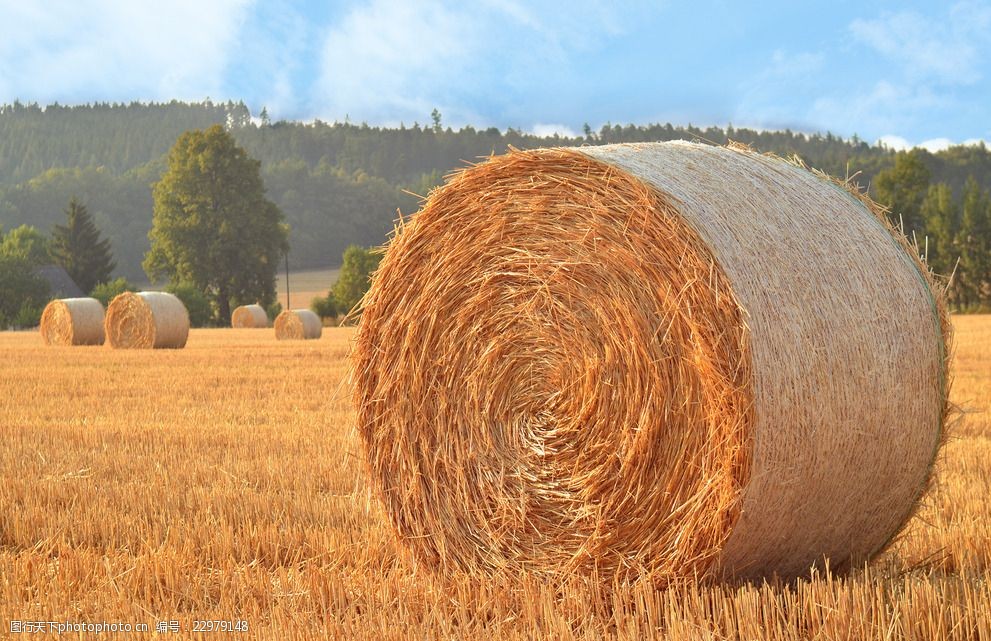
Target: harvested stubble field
x,y
225,481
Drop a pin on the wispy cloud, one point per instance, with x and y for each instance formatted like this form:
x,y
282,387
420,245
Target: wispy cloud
x,y
391,61
897,143
946,50
924,56
386,60
920,72
115,49
886,106
891,73
270,60
545,129
761,101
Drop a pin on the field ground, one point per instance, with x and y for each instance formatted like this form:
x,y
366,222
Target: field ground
x,y
224,481
304,285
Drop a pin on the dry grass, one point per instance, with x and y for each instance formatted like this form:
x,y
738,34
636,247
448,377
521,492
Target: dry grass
x,y
208,484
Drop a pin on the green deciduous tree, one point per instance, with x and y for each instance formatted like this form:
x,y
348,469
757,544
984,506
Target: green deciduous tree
x,y
197,304
354,279
78,248
106,292
213,227
325,306
902,189
28,243
22,294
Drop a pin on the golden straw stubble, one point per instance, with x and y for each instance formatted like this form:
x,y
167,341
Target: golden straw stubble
x,y
552,376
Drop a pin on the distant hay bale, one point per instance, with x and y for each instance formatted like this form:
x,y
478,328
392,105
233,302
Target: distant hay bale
x,y
656,361
249,316
147,320
73,321
297,324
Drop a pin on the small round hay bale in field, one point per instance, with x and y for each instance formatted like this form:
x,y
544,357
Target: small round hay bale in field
x,y
657,361
147,320
297,324
73,321
249,316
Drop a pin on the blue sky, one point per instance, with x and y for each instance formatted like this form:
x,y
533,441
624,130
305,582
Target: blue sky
x,y
908,73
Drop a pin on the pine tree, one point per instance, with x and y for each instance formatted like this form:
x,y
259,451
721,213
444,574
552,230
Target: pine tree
x,y
78,248
941,216
975,245
903,188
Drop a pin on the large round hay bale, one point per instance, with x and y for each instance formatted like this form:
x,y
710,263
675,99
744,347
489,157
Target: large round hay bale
x,y
297,324
649,361
73,321
147,320
249,316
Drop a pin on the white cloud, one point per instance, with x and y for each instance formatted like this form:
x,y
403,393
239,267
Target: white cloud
x,y
912,69
897,143
944,50
936,144
272,48
388,61
785,65
115,49
382,55
887,106
761,99
546,130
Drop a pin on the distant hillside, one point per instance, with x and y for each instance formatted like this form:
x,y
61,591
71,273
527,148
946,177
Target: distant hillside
x,y
337,183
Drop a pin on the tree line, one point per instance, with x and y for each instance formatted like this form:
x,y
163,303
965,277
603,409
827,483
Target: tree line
x,y
341,184
76,246
951,227
216,240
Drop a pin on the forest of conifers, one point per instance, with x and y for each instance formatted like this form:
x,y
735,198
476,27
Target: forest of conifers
x,y
342,183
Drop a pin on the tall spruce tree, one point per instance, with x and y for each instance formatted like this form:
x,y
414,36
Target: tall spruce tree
x,y
941,215
903,189
975,245
78,248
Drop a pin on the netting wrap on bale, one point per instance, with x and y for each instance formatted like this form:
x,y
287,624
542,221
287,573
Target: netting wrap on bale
x,y
72,321
147,320
652,361
249,316
297,324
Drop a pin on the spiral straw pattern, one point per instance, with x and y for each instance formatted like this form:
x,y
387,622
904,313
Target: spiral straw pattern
x,y
628,362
